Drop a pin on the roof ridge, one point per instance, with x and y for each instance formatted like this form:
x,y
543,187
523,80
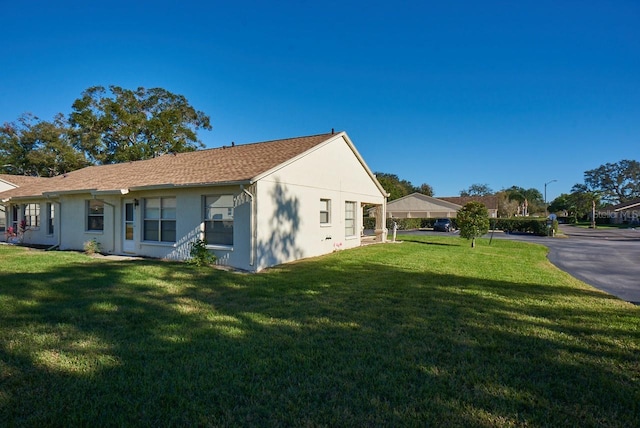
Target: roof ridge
x,y
268,141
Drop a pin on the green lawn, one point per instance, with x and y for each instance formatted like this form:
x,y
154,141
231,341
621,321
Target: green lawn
x,y
428,332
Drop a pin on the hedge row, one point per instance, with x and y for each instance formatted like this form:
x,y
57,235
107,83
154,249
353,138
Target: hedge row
x,y
403,223
537,226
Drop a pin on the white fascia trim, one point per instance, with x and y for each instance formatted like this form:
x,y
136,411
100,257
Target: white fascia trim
x,y
109,192
182,186
56,193
627,207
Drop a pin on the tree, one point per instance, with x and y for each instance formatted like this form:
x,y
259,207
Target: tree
x,y
473,221
398,188
34,147
584,201
530,200
126,125
507,206
477,190
617,182
561,203
425,189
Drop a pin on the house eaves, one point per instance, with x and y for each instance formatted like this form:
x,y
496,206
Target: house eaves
x,y
628,206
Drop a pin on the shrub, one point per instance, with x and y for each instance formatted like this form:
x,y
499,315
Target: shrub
x,y
200,255
537,226
403,223
369,222
92,247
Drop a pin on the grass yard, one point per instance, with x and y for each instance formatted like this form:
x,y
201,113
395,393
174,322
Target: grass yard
x,y
425,333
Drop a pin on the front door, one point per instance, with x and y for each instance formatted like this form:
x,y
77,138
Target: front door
x,y
128,240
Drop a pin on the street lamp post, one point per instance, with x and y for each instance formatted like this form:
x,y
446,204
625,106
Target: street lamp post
x,y
545,195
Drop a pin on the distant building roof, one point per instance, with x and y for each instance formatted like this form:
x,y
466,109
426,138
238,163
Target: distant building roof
x,y
627,205
491,202
420,202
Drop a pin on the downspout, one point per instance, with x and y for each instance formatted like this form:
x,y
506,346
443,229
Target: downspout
x,y
252,226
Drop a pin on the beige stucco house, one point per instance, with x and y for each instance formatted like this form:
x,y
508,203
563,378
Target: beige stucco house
x,y
257,205
627,212
491,202
417,205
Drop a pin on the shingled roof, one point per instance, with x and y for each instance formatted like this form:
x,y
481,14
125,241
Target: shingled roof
x,y
230,164
20,180
490,201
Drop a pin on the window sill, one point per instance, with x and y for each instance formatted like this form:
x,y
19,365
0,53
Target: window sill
x,y
95,232
158,243
325,225
220,247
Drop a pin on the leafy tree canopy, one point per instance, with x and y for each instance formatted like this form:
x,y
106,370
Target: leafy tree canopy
x,y
477,190
121,125
562,203
529,200
521,194
32,147
398,188
473,221
583,200
617,182
425,189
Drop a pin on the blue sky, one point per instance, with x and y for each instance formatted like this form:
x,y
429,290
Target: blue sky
x,y
448,93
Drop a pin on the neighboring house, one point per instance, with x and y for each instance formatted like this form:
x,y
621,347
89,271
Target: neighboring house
x,y
491,202
625,213
257,205
417,205
8,182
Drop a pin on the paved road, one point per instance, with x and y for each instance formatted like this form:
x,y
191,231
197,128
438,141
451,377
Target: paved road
x,y
608,259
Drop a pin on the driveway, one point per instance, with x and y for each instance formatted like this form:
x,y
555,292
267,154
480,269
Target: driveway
x,y
608,259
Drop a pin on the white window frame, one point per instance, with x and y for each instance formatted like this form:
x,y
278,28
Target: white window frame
x,y
325,208
3,218
31,215
94,214
350,225
166,215
217,211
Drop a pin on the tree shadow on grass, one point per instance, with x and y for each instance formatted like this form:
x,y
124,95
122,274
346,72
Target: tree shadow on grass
x,y
152,343
407,238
